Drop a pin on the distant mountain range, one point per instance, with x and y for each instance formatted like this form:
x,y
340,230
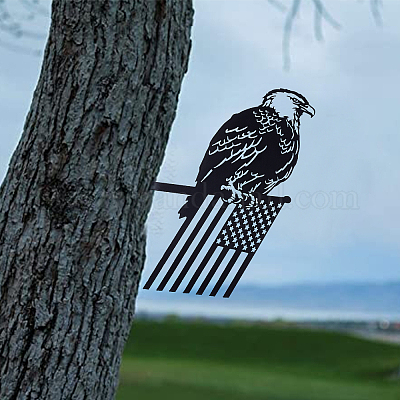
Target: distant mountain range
x,y
338,296
349,297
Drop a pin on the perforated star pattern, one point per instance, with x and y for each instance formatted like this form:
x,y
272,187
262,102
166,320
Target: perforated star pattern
x,y
246,228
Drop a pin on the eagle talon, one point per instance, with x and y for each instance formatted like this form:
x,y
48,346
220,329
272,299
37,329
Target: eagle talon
x,y
250,201
236,196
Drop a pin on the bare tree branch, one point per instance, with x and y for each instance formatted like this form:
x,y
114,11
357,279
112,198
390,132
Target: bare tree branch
x,y
321,14
278,5
287,31
376,6
11,25
325,14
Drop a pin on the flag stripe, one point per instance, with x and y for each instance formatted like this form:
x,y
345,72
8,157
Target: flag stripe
x,y
238,275
198,248
212,271
200,268
168,252
187,244
225,273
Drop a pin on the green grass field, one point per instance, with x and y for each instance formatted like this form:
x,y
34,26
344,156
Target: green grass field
x,y
195,360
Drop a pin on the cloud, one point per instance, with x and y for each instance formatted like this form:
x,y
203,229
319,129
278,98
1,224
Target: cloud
x,y
350,146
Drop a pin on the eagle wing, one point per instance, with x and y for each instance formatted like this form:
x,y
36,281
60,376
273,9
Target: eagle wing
x,y
250,151
235,147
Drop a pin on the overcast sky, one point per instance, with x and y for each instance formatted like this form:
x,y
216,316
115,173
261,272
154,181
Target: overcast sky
x,y
351,145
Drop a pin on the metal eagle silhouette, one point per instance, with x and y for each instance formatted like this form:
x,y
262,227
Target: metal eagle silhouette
x,y
253,152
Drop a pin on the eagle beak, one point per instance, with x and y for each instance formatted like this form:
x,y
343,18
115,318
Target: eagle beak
x,y
310,110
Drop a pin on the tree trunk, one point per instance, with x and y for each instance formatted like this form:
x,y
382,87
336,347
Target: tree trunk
x,y
76,196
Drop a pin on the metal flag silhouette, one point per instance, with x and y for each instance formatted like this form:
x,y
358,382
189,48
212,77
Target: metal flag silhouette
x,y
251,153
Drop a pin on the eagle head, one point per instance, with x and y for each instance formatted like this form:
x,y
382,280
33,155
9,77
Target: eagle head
x,y
288,103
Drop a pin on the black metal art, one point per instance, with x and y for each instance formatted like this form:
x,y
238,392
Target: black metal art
x,y
251,153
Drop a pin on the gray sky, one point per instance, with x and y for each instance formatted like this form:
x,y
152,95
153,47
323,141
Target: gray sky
x,y
351,145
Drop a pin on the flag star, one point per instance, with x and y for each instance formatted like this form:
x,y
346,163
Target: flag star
x,y
234,240
262,226
274,214
264,231
241,236
253,249
234,214
264,207
269,223
258,240
244,247
235,245
268,217
279,205
249,234
233,233
271,203
259,215
237,225
273,208
224,231
229,223
251,213
243,242
262,202
255,228
231,228
218,240
227,243
258,209
236,219
257,235
240,230
246,226
241,211
253,218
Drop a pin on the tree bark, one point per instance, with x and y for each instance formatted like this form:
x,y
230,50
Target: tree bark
x,y
76,196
